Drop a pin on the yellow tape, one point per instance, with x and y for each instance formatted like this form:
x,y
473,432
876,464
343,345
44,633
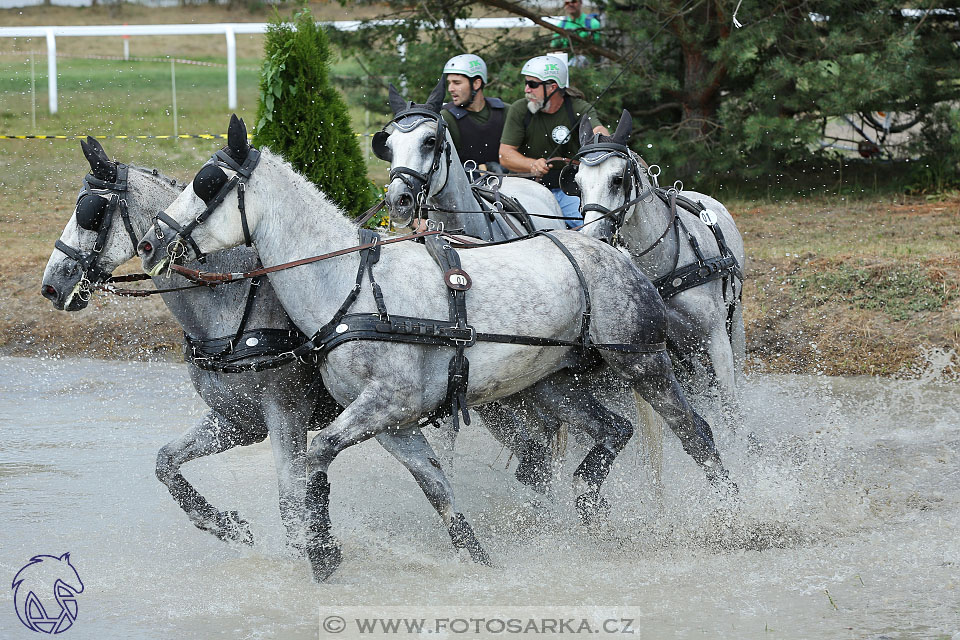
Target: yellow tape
x,y
186,136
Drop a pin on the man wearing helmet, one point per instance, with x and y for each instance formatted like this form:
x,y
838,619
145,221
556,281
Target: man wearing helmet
x,y
544,124
474,121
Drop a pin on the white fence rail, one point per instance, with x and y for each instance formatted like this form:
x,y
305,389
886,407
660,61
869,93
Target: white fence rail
x,y
228,30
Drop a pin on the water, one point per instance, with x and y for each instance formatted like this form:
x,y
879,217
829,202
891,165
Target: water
x,y
849,528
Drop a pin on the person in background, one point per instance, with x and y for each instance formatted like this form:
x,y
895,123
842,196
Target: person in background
x,y
585,26
475,121
543,124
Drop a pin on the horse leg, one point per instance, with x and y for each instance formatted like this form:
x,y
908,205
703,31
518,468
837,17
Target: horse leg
x,y
288,440
503,421
214,434
651,376
375,410
561,397
411,448
722,372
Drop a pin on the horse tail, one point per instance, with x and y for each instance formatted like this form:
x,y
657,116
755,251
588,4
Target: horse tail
x,y
558,444
651,443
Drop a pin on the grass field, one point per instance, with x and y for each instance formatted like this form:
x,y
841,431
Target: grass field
x,y
838,284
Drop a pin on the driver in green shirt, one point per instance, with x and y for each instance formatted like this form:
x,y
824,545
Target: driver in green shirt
x,y
545,122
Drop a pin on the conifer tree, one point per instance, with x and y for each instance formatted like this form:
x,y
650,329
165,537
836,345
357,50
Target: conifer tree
x,y
302,117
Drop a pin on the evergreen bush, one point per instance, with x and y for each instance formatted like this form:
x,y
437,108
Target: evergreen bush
x,y
302,117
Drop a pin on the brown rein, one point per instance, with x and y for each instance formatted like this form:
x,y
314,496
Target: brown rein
x,y
207,277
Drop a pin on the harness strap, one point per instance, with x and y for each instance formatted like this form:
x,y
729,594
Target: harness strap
x,y
585,318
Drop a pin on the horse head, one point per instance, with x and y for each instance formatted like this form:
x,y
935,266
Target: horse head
x,y
112,209
418,147
177,233
607,177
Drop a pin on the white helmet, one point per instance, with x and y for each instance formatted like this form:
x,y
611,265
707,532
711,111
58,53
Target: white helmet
x,y
468,65
547,68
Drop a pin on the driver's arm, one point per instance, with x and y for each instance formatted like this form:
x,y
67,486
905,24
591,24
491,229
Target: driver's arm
x,y
512,159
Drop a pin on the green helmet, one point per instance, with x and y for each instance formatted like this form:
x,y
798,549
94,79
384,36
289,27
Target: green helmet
x,y
468,65
547,68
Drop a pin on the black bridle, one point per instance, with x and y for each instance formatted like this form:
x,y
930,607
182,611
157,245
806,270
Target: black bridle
x,y
416,181
97,205
630,179
211,177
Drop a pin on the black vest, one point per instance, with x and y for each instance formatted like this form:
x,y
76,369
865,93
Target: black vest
x,y
480,142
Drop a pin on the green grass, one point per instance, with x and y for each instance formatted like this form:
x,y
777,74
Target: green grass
x,y
899,291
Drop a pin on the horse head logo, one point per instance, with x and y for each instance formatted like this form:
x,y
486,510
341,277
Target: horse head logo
x,y
45,593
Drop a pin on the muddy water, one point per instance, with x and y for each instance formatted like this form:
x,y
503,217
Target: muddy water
x,y
849,525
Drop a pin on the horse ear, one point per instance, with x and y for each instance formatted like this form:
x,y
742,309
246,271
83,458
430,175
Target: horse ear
x,y
624,127
237,138
96,146
586,130
100,165
435,101
397,103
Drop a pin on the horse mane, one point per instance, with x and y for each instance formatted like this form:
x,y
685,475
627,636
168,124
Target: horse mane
x,y
301,185
156,173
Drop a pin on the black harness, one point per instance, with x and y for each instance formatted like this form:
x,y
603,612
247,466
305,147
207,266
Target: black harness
x,y
212,186
97,204
455,331
705,269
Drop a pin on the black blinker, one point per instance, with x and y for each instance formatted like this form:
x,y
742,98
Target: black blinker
x,y
90,210
568,182
208,182
380,148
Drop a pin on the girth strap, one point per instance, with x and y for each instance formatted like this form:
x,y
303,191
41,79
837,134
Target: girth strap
x,y
458,371
585,318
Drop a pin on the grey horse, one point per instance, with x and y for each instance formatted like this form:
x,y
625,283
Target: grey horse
x,y
705,321
244,407
387,386
425,169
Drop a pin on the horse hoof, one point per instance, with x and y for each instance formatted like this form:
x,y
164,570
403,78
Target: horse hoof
x,y
232,528
592,508
324,557
461,533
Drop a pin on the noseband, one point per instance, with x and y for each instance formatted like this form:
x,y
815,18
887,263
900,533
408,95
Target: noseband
x,y
243,171
114,193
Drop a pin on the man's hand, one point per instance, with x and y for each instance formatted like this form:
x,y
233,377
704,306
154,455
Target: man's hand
x,y
539,167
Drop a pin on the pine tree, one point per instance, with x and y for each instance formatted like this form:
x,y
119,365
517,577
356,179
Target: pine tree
x,y
302,117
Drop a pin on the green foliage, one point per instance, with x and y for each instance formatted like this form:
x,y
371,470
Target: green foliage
x,y
938,145
304,118
710,101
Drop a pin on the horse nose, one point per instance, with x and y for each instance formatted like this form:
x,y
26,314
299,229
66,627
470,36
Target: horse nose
x,y
49,292
145,248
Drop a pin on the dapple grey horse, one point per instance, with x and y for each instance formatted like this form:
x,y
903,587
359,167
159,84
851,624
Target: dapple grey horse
x,y
386,386
425,169
244,407
705,321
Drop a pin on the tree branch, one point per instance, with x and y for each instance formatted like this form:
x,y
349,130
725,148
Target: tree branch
x,y
586,45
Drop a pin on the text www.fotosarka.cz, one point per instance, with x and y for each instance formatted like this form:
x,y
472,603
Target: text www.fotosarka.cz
x,y
476,621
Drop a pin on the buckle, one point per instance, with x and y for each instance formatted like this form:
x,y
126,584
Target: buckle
x,y
471,341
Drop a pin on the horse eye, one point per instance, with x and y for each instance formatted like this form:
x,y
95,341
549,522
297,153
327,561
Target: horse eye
x,y
429,142
617,181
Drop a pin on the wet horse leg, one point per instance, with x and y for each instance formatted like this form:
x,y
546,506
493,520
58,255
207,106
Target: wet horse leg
x,y
376,410
411,449
651,376
563,398
214,434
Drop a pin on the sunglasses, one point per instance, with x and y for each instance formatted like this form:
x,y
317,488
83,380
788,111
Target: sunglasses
x,y
534,84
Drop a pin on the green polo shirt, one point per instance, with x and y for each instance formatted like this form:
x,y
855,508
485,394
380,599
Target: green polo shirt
x,y
537,140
